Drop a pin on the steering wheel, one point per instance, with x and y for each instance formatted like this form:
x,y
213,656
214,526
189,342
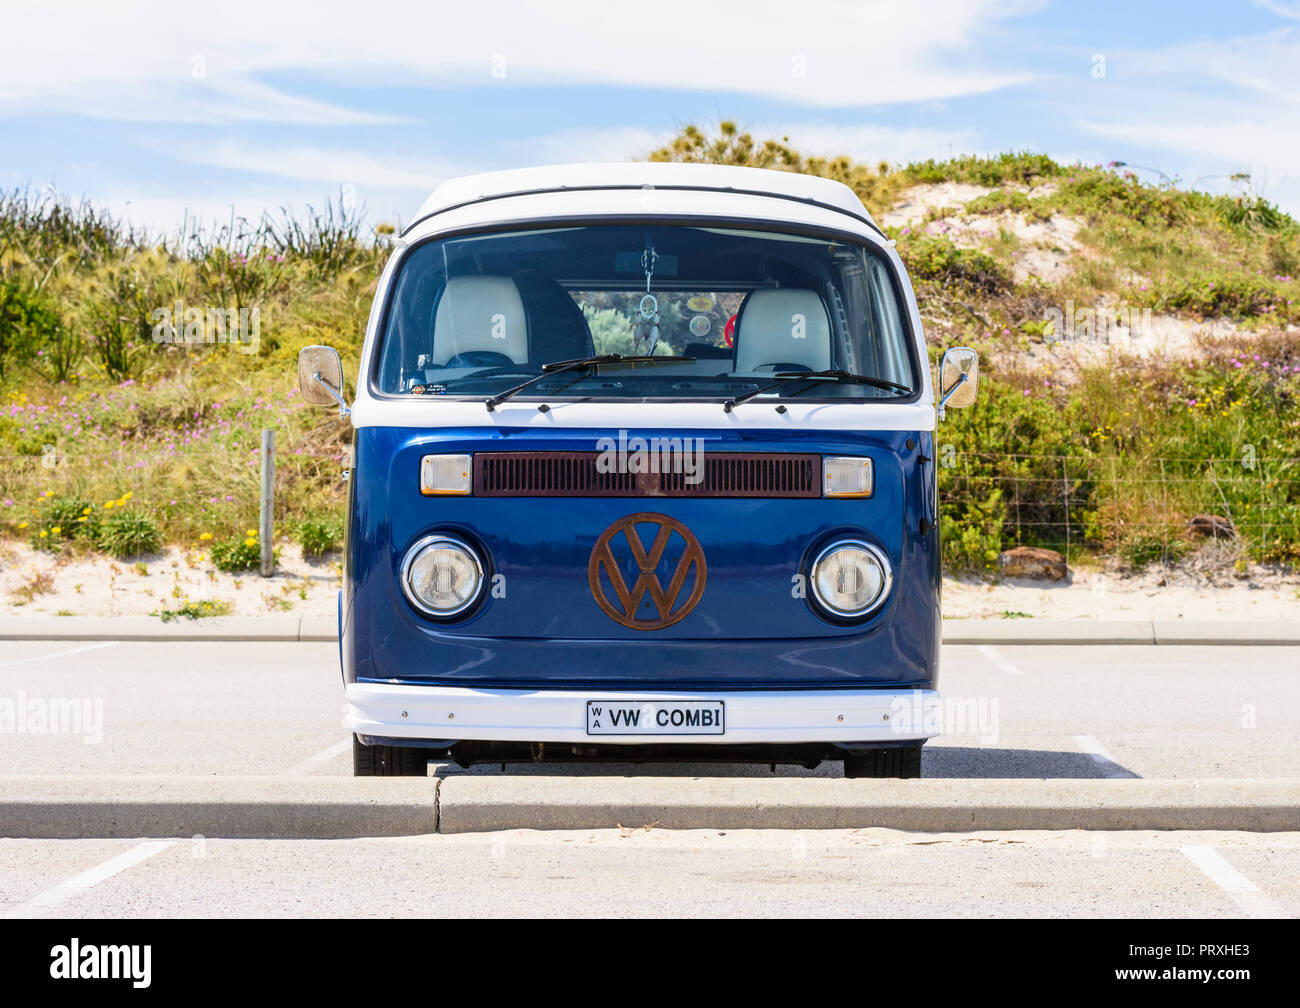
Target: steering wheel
x,y
513,369
729,331
478,358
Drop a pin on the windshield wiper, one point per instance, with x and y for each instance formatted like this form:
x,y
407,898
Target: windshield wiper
x,y
831,374
557,367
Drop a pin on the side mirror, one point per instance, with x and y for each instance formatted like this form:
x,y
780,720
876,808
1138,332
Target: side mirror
x,y
959,373
320,376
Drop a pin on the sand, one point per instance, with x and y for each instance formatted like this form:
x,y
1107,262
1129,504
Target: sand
x,y
1259,594
94,585
97,586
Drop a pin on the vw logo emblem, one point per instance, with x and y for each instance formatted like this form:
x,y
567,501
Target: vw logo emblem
x,y
623,538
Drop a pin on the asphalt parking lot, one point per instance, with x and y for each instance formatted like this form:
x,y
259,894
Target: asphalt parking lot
x,y
632,872
1060,713
1065,711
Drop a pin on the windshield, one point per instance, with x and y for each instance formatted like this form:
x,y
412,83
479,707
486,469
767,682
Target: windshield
x,y
473,316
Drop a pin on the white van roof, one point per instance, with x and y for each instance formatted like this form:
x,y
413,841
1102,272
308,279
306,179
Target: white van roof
x,y
807,189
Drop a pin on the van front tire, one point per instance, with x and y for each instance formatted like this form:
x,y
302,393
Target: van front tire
x,y
896,761
388,761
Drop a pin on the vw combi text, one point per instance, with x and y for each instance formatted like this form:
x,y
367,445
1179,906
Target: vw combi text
x,y
643,468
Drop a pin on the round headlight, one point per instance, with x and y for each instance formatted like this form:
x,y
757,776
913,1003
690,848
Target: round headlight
x,y
850,578
441,576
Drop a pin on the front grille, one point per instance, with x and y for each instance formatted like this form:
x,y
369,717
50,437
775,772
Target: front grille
x,y
579,474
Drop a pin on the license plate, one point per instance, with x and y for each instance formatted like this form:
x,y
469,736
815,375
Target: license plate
x,y
656,717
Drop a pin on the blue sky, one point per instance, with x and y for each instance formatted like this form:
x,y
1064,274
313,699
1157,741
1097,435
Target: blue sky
x,y
160,110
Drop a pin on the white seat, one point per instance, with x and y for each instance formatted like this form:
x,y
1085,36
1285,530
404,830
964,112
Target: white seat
x,y
480,314
783,330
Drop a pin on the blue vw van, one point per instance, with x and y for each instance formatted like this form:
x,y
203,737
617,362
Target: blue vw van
x,y
643,469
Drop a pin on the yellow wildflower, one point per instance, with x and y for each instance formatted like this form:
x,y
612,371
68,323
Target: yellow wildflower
x,y
56,530
44,533
250,542
251,532
22,525
205,537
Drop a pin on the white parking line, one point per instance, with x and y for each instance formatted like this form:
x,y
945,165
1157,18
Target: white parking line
x,y
996,660
1243,891
1103,759
60,654
324,756
78,884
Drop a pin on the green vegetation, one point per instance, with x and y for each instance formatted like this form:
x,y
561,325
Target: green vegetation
x,y
195,609
242,553
319,536
1079,456
876,187
129,533
98,401
1118,467
113,527
63,520
938,259
130,417
1006,169
29,325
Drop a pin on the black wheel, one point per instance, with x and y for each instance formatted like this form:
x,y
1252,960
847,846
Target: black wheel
x,y
388,761
896,761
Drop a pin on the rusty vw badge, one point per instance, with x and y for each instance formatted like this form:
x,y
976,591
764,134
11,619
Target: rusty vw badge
x,y
623,607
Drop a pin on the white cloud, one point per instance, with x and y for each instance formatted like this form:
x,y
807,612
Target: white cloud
x,y
334,166
147,59
391,187
1265,65
1281,8
1218,106
573,146
1265,149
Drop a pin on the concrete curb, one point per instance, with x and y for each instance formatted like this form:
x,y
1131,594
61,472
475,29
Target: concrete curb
x,y
477,804
1036,631
323,808
1081,631
272,627
285,627
335,807
1221,632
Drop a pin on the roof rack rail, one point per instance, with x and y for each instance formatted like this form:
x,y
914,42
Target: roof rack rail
x,y
806,200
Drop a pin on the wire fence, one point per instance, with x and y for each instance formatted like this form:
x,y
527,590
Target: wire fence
x,y
188,496
1138,506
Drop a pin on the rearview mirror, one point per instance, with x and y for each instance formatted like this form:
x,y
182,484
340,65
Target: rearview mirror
x,y
959,372
320,376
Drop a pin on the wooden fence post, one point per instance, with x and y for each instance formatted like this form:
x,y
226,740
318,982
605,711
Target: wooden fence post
x,y
266,527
